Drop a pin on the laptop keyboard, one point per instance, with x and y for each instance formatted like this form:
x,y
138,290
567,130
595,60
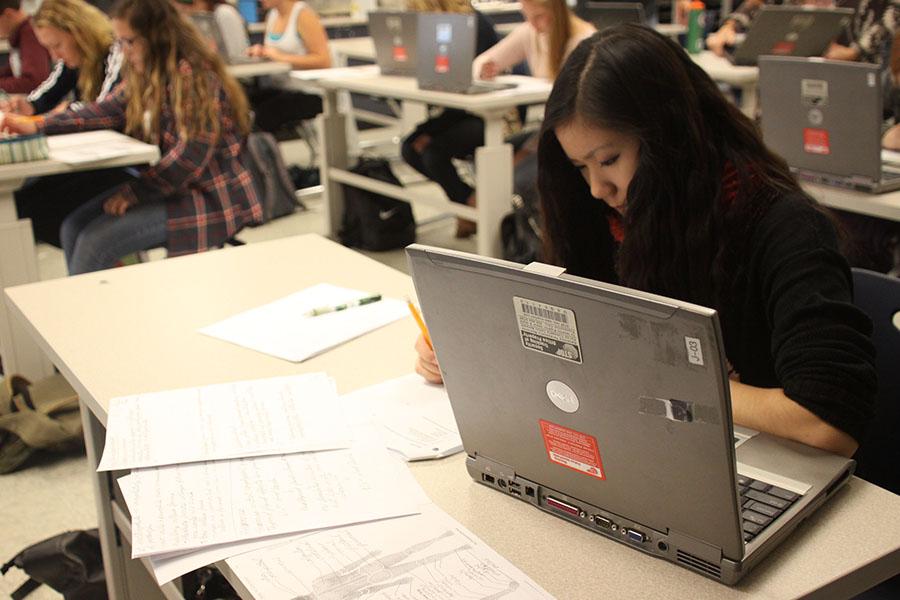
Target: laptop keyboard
x,y
761,504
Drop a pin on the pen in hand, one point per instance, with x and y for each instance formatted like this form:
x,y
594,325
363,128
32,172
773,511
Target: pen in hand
x,y
418,317
322,310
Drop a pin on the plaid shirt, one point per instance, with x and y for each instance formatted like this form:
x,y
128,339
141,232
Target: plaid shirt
x,y
209,194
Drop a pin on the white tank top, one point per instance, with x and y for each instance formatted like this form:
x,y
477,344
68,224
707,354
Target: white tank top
x,y
289,41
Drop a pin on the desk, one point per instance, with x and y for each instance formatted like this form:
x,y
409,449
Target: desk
x,y
493,160
257,69
360,48
721,70
149,313
884,206
18,261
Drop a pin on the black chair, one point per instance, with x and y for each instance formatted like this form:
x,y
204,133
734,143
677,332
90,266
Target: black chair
x,y
878,456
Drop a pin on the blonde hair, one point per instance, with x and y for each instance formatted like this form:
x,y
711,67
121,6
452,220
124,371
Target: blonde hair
x,y
560,32
448,6
92,33
171,42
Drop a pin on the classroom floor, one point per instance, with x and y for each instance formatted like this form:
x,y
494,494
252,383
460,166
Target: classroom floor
x,y
54,494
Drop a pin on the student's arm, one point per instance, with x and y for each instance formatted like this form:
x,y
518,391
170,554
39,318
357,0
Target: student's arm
x,y
314,38
820,342
506,53
35,65
58,85
234,32
109,114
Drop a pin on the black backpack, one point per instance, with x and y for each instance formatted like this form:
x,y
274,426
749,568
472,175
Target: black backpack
x,y
273,184
521,231
372,221
70,563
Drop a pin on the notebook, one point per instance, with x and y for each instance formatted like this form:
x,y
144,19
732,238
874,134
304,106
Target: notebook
x,y
824,118
790,31
609,408
446,53
609,14
394,35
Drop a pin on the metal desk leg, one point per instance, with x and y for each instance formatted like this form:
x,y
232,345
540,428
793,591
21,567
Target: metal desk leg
x,y
18,265
493,185
333,153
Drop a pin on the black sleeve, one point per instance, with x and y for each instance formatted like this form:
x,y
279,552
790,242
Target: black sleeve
x,y
54,89
820,342
485,35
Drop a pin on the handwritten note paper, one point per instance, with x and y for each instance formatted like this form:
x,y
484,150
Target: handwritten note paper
x,y
415,416
428,556
185,507
282,329
232,420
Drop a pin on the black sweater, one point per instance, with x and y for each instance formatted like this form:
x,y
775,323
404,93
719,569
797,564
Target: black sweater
x,y
790,322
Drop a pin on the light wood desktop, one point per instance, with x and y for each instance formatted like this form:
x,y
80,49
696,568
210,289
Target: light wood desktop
x,y
493,160
883,206
133,329
257,69
18,261
746,78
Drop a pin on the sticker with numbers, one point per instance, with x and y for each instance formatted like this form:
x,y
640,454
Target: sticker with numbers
x,y
694,350
548,329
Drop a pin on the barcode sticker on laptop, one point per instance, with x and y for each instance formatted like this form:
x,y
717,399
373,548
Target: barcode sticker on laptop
x,y
548,329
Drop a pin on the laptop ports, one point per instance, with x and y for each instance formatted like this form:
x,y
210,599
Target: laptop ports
x,y
636,536
601,522
487,478
563,506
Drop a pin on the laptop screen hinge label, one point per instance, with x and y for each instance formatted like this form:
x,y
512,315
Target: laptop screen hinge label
x,y
548,329
572,449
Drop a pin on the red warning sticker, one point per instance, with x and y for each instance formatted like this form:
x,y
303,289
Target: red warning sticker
x,y
815,141
784,47
441,63
573,449
399,53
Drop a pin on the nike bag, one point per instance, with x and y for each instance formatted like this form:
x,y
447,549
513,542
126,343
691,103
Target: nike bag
x,y
372,221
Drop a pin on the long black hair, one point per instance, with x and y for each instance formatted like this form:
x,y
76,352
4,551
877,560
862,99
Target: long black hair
x,y
678,231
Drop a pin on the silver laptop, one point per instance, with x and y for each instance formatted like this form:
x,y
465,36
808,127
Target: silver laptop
x,y
394,34
610,408
209,27
790,31
824,118
610,14
446,52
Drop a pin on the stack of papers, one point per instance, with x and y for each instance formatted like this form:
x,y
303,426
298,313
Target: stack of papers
x,y
89,147
284,328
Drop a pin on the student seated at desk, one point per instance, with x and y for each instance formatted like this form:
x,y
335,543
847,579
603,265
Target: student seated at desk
x,y
177,95
430,148
295,35
870,33
651,179
29,62
88,67
228,20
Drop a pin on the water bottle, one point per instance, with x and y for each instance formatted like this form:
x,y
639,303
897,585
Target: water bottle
x,y
696,24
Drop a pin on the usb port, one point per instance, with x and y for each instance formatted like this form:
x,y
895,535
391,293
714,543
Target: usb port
x,y
487,478
515,492
513,484
563,506
636,536
602,522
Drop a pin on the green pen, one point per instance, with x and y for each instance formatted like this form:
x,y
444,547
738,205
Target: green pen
x,y
322,310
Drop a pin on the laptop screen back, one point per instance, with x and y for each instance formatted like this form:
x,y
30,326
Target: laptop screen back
x,y
609,14
395,34
446,51
791,31
610,396
823,116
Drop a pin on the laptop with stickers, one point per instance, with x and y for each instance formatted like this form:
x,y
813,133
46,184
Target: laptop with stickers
x,y
395,34
209,27
610,408
824,118
790,31
446,54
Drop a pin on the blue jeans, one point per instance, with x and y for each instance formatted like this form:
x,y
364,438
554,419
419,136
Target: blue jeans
x,y
93,240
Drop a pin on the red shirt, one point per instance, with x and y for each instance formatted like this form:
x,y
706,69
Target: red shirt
x,y
33,57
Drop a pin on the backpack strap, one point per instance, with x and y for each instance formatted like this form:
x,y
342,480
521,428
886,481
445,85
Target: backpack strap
x,y
26,588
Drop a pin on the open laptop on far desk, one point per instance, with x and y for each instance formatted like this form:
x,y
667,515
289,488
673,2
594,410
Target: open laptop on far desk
x,y
609,14
610,408
790,31
209,27
824,118
446,54
394,34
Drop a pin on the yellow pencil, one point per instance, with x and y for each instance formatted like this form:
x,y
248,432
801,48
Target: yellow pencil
x,y
418,317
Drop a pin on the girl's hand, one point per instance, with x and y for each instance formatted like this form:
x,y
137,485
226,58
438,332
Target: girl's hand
x,y
19,125
116,205
426,362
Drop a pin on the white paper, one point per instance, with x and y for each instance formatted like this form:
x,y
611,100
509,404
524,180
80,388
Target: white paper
x,y
282,329
280,415
184,507
90,146
336,73
429,556
415,416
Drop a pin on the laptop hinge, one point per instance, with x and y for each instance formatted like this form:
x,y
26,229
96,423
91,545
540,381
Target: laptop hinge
x,y
544,269
694,546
